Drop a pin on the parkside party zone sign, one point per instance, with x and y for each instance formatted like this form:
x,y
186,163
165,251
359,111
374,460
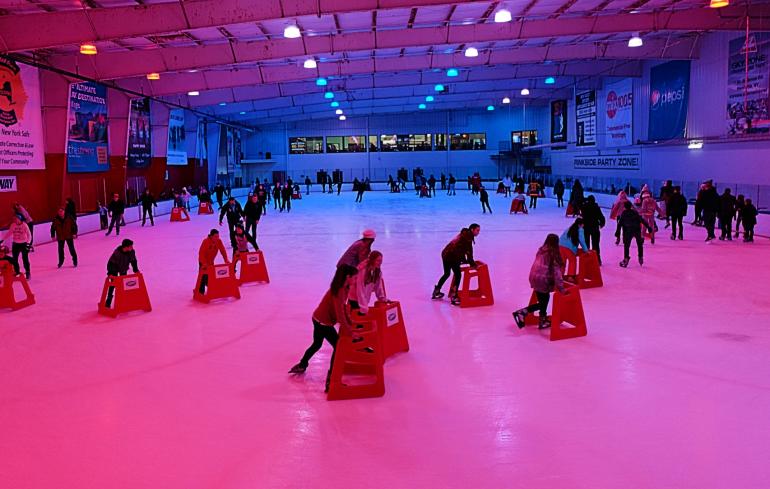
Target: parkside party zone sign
x,y
608,162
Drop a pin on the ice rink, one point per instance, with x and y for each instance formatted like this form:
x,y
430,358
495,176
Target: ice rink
x,y
670,389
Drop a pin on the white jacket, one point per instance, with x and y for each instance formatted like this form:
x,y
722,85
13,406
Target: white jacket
x,y
19,233
361,292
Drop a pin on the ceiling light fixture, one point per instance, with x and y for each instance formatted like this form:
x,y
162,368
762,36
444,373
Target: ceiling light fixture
x,y
525,91
338,111
222,104
193,93
242,113
490,107
321,82
329,95
452,72
471,52
421,106
153,76
291,32
635,41
502,15
88,49
310,64
550,80
719,3
429,98
335,104
439,88
506,100
342,117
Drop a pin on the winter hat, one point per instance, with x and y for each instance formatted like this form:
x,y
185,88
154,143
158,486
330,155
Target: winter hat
x,y
369,234
126,243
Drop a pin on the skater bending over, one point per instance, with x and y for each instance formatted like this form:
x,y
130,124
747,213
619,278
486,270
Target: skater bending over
x,y
366,282
574,237
544,277
207,253
454,254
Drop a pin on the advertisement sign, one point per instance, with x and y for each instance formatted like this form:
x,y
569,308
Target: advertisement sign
x,y
609,162
87,149
21,119
669,91
585,118
747,90
559,121
176,153
139,149
618,129
8,184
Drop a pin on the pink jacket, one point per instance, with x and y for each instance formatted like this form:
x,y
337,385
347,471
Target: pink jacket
x,y
617,207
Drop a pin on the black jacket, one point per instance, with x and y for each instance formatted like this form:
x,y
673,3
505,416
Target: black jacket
x,y
116,207
592,216
120,261
677,206
726,206
233,213
632,223
558,188
709,200
147,201
252,211
484,195
749,215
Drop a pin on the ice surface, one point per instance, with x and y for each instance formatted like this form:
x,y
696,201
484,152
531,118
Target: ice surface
x,y
670,389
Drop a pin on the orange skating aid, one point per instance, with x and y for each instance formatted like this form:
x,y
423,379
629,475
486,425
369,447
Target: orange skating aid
x,y
8,298
568,312
178,216
482,294
570,212
296,196
221,283
589,272
517,206
205,208
129,294
570,263
357,371
253,268
391,328
531,319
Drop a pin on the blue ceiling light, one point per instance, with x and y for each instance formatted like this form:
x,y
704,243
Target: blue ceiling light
x,y
550,80
439,87
490,107
335,104
452,72
243,113
429,98
421,106
321,82
329,95
222,104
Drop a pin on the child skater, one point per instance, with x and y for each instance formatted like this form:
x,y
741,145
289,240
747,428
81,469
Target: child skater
x,y
749,216
544,276
331,311
367,281
454,254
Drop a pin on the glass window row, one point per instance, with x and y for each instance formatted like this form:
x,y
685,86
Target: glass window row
x,y
387,143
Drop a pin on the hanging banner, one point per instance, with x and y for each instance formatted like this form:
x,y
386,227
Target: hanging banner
x,y
177,146
747,89
618,130
559,121
139,149
585,118
87,149
21,119
669,91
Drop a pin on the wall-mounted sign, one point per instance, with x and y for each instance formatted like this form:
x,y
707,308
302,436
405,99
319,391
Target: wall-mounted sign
x,y
608,162
8,184
618,125
559,121
585,118
21,119
87,149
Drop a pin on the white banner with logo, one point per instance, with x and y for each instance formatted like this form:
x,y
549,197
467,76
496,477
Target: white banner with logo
x,y
21,118
618,129
631,161
8,184
585,118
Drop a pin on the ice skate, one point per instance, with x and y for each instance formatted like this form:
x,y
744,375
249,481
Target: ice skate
x,y
624,263
641,261
298,369
543,322
437,294
519,316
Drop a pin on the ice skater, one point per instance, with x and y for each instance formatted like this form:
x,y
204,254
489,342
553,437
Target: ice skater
x,y
593,222
452,183
676,209
286,197
366,282
116,208
545,276
65,230
20,238
179,203
749,216
242,242
277,196
148,202
647,209
121,259
726,215
207,253
558,191
574,237
24,216
484,198
454,254
331,311
534,193
631,223
615,212
233,211
252,211
359,250
361,188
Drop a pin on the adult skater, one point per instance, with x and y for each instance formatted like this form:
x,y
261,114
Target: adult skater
x,y
252,211
749,221
593,222
432,185
676,209
507,184
709,207
331,311
361,188
574,237
219,191
339,185
70,209
617,209
367,281
277,196
121,259
545,276
65,230
115,208
359,250
148,202
207,253
186,196
24,216
576,197
20,237
740,203
726,215
308,183
286,197
233,211
454,254
180,204
452,183
666,191
631,223
484,198
443,181
262,196
558,191
534,193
